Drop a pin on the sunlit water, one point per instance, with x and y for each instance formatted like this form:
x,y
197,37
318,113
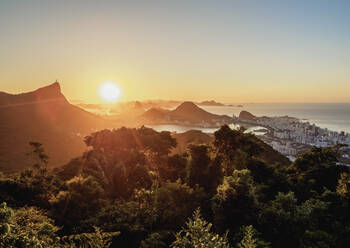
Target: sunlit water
x,y
181,129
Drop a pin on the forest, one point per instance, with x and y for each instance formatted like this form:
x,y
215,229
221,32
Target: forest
x,y
130,190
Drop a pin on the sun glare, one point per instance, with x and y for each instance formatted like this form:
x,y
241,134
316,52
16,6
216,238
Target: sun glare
x,y
110,92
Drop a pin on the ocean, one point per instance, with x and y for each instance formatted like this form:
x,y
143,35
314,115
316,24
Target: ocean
x,y
334,116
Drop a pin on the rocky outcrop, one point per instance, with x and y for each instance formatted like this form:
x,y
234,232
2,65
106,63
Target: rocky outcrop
x,y
245,115
45,94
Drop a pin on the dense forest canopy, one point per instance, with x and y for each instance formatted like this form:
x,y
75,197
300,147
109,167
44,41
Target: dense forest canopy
x,y
130,190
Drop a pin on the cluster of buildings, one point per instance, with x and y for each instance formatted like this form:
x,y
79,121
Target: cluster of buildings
x,y
291,136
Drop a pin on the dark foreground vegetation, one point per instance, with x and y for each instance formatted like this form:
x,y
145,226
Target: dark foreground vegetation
x,y
129,190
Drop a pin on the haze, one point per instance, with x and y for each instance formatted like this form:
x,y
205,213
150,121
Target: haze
x,y
230,51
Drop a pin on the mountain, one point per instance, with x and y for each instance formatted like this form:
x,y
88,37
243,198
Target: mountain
x,y
210,103
245,115
155,114
51,93
45,116
187,113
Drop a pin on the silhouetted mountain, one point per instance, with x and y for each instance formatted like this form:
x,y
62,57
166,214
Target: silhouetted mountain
x,y
185,113
45,116
245,115
45,94
188,111
155,114
210,103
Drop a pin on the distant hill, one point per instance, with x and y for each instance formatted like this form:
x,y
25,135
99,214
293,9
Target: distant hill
x,y
186,113
245,115
210,103
45,116
155,114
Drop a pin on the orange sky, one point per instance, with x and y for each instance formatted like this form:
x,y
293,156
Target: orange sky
x,y
232,53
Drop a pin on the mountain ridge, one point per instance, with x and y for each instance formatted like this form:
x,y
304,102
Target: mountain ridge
x,y
186,113
51,92
43,115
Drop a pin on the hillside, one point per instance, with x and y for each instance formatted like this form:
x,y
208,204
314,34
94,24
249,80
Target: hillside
x,y
155,114
45,116
268,154
191,137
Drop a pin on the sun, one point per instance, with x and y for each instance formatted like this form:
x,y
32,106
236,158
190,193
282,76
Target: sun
x,y
110,92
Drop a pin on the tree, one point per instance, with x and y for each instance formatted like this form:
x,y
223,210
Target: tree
x,y
154,240
6,215
202,170
314,171
250,239
343,187
38,154
128,139
174,203
174,168
30,228
83,199
97,239
235,148
235,203
197,234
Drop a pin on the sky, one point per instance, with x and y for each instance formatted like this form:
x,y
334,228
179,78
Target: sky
x,y
230,51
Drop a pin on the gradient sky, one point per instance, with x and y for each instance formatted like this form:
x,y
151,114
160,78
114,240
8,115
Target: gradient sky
x,y
230,51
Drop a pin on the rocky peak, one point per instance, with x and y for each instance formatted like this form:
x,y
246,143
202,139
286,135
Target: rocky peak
x,y
245,115
51,92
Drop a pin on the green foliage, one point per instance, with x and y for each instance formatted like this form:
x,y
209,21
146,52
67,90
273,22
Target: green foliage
x,y
30,227
235,147
154,240
38,154
235,203
343,187
197,234
97,239
6,214
175,202
203,171
83,198
126,139
285,218
315,171
174,168
317,239
132,185
250,239
30,187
